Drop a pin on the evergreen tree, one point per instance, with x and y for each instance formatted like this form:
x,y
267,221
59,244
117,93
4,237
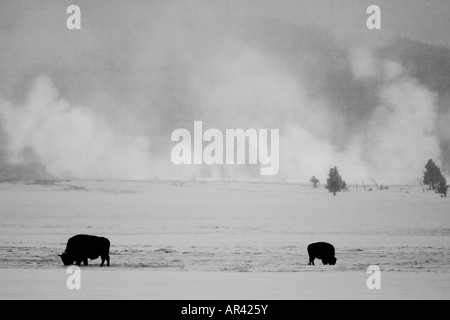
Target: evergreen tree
x,y
442,186
334,181
432,175
314,181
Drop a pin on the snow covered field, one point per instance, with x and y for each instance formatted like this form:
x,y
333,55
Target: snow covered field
x,y
223,240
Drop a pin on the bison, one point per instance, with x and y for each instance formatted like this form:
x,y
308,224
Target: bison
x,y
323,251
82,247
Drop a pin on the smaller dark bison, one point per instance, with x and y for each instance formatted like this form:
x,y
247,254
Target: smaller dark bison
x,y
323,251
82,247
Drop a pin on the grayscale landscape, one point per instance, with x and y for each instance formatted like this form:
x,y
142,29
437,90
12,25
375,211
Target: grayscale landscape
x,y
87,122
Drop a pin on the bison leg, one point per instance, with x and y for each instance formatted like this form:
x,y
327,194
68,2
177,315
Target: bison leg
x,y
103,261
311,261
78,262
85,262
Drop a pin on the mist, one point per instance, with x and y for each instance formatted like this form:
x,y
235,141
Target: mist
x,y
102,102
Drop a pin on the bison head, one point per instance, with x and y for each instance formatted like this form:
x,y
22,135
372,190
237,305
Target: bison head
x,y
329,260
332,261
66,258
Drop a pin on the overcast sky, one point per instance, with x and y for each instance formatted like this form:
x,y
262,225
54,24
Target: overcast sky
x,y
423,20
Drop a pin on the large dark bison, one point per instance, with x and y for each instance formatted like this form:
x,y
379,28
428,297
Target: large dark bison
x,y
82,247
323,251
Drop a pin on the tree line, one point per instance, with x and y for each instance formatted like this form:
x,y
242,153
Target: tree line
x,y
432,177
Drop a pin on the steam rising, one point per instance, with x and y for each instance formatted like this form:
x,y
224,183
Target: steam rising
x,y
71,141
106,111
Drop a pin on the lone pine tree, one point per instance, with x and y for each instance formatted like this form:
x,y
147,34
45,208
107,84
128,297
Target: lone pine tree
x,y
432,175
314,181
334,181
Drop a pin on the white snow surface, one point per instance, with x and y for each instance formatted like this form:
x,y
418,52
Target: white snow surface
x,y
223,240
